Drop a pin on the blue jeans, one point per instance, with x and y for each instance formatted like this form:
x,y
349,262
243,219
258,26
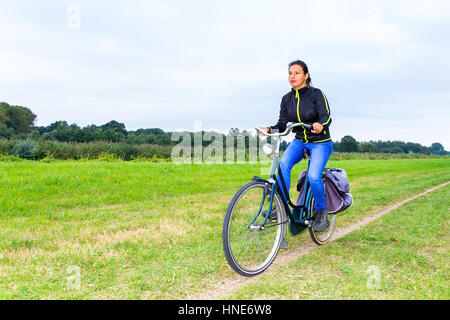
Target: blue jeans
x,y
320,153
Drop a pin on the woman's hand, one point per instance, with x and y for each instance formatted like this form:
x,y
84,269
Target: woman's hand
x,y
263,129
317,128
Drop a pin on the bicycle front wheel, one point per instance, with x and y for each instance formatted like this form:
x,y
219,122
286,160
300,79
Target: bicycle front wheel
x,y
250,245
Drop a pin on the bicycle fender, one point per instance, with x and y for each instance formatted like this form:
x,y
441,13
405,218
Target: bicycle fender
x,y
255,178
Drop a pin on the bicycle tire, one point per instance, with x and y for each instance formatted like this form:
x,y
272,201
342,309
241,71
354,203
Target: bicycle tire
x,y
238,220
323,237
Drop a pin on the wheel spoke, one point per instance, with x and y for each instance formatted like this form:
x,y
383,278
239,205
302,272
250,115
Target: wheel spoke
x,y
252,249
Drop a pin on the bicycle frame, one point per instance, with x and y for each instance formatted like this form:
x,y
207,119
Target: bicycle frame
x,y
241,241
297,213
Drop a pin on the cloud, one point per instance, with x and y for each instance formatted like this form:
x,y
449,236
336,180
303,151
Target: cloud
x,y
166,64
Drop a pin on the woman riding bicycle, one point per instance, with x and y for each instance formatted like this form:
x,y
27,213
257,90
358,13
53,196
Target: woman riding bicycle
x,y
306,104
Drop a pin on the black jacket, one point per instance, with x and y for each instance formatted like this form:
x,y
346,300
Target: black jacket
x,y
307,105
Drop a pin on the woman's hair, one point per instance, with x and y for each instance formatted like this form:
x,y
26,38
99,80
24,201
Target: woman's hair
x,y
304,67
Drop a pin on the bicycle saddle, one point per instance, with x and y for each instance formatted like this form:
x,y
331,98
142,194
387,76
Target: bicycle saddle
x,y
306,154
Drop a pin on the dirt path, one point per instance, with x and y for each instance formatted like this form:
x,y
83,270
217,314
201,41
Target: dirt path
x,y
227,286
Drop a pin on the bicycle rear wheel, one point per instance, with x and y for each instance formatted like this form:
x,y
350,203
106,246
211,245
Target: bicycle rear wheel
x,y
325,235
249,247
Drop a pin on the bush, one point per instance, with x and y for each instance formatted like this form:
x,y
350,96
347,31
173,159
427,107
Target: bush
x,y
10,158
6,146
26,149
48,159
108,157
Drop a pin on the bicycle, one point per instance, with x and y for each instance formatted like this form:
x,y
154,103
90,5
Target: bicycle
x,y
254,227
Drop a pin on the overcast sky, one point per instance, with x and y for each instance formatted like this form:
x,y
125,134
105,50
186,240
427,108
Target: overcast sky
x,y
383,65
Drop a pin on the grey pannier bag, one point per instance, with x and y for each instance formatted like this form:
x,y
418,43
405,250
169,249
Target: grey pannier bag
x,y
337,189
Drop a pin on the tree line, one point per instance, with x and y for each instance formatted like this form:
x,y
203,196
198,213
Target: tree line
x,y
18,123
349,144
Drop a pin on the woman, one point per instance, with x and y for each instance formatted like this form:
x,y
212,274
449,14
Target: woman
x,y
308,105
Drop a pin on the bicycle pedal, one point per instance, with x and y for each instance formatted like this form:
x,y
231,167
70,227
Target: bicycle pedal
x,y
272,216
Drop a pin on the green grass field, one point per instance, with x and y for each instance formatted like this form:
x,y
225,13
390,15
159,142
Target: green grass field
x,y
142,230
402,255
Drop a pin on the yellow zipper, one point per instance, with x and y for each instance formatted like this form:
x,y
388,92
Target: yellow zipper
x,y
298,113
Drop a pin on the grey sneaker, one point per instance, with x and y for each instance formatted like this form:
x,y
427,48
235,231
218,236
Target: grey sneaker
x,y
320,220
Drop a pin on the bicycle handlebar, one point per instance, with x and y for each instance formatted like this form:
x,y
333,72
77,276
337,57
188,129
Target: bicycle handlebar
x,y
289,127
